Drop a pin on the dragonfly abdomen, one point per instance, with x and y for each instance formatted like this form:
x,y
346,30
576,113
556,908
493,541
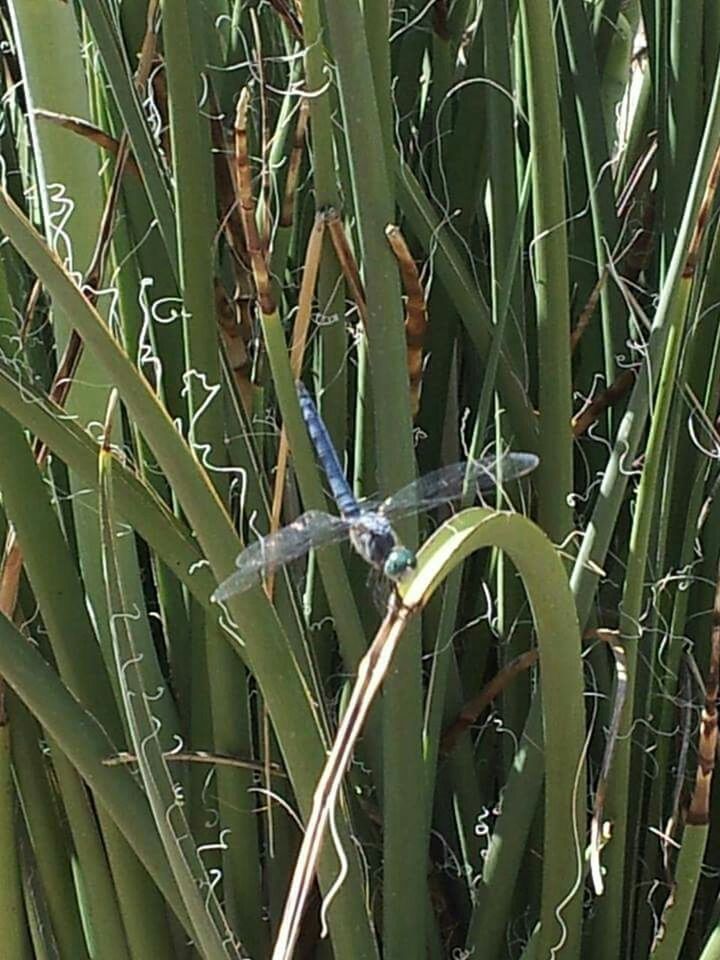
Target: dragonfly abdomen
x,y
342,494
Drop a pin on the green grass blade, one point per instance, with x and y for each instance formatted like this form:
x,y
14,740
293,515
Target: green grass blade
x,y
558,634
13,923
130,647
554,478
107,37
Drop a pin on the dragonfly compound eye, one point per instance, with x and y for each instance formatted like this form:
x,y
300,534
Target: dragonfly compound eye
x,y
398,562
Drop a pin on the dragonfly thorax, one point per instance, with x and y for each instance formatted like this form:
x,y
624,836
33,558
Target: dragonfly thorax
x,y
375,540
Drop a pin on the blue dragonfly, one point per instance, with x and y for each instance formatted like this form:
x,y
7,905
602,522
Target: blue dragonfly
x,y
367,524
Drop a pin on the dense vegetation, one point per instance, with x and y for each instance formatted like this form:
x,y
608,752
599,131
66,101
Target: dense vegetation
x,y
464,225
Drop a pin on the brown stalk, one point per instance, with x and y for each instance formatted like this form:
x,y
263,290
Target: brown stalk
x,y
297,352
372,670
199,756
440,20
289,16
608,398
639,174
588,312
88,131
233,314
347,261
30,308
243,186
228,208
235,336
693,254
415,312
491,691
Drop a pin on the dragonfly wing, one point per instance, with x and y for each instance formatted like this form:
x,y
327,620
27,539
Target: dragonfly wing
x,y
446,484
313,529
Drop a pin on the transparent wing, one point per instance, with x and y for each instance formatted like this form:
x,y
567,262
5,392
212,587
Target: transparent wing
x,y
446,484
312,529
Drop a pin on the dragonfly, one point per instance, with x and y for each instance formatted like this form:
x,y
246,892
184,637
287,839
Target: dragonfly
x,y
366,524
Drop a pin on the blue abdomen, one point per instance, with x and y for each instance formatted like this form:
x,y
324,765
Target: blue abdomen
x,y
326,454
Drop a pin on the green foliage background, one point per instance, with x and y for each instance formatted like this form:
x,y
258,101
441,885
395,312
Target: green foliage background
x,y
551,166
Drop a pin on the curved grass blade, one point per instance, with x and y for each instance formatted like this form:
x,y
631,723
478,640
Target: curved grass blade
x,y
559,644
563,713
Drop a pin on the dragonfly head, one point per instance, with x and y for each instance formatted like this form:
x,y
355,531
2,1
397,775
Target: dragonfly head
x,y
398,562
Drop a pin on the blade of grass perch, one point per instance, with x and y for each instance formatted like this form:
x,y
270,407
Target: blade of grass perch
x,y
371,672
210,928
559,645
266,647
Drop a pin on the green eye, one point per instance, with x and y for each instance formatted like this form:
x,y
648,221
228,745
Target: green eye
x,y
399,561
